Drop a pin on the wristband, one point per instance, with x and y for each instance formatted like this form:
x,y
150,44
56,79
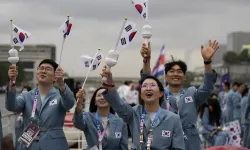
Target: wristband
x,y
108,85
207,62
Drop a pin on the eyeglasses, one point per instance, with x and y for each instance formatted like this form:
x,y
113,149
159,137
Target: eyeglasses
x,y
150,86
47,69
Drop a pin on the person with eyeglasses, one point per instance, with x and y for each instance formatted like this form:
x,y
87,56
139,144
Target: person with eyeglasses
x,y
44,108
151,126
185,103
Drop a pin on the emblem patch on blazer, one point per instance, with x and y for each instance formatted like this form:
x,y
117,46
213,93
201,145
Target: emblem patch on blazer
x,y
188,99
53,102
165,133
118,134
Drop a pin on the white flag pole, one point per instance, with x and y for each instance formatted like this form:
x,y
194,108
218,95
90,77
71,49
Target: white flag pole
x,y
147,11
11,34
61,51
90,67
119,37
62,47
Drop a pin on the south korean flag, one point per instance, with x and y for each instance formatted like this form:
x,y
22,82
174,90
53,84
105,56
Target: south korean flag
x,y
19,36
128,33
88,61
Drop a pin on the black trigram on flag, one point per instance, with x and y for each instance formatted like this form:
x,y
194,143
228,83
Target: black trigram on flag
x,y
144,15
99,57
26,35
94,67
86,63
128,28
145,5
15,40
15,30
123,41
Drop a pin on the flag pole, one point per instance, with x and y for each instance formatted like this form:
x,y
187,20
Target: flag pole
x,y
64,37
147,10
11,34
61,51
90,67
117,42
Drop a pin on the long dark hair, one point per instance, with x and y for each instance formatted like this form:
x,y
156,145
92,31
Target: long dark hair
x,y
93,107
215,115
161,88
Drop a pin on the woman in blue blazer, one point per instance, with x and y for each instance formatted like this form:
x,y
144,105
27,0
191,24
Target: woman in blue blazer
x,y
151,126
103,130
211,116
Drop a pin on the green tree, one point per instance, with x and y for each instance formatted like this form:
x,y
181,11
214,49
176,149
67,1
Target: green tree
x,y
243,56
231,57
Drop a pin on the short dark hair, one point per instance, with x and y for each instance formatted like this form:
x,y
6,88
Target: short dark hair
x,y
236,84
92,106
27,87
161,88
226,83
245,92
49,61
174,62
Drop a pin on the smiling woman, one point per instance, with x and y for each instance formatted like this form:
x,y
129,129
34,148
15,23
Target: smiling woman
x,y
100,121
151,126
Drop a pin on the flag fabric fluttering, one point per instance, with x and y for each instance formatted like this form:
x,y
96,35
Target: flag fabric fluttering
x,y
87,61
128,33
19,36
159,69
141,7
66,27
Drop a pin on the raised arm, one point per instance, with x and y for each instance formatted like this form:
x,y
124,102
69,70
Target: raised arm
x,y
178,140
80,118
146,55
124,138
68,99
13,103
210,76
124,110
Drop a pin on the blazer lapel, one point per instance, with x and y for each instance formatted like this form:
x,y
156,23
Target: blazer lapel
x,y
160,118
47,98
147,122
111,126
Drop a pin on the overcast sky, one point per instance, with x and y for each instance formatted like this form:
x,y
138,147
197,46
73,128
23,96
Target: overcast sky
x,y
182,25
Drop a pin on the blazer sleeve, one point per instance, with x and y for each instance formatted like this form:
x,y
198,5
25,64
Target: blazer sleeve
x,y
123,110
201,94
80,120
68,99
13,103
178,138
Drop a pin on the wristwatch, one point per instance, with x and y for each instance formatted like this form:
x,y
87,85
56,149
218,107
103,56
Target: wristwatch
x,y
207,62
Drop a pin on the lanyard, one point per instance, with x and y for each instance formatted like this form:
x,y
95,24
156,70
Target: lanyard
x,y
34,104
150,136
168,93
98,126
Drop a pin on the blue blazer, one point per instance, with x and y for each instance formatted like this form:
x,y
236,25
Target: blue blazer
x,y
167,132
117,139
50,116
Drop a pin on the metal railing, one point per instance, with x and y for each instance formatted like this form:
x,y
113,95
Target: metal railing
x,y
8,127
73,135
